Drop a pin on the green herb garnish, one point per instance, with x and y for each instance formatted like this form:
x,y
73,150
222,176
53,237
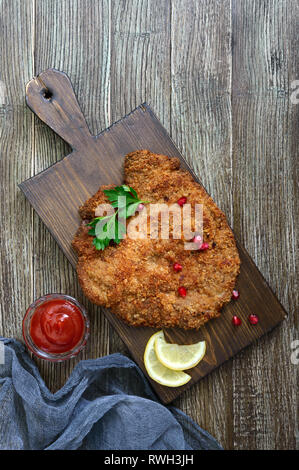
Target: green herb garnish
x,y
125,201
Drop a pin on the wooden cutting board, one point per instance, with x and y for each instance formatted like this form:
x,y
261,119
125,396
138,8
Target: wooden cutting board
x,y
57,192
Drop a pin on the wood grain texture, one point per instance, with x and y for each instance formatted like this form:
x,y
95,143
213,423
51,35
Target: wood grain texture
x,y
16,250
66,32
58,191
265,61
201,126
115,64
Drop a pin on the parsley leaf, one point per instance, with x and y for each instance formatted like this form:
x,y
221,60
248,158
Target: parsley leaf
x,y
112,227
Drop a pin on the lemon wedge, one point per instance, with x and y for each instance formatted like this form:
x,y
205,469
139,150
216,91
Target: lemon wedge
x,y
179,357
157,371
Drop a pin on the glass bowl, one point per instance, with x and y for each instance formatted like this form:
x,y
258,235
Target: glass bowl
x,y
54,357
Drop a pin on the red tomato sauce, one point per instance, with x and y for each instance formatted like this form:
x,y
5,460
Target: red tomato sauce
x,y
56,326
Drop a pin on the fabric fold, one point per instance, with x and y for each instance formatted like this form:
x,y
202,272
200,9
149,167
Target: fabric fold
x,y
106,403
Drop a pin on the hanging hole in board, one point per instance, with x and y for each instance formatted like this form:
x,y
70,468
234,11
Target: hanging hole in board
x,y
47,94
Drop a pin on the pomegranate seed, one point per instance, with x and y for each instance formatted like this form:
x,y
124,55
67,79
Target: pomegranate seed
x,y
197,239
177,267
140,207
253,319
235,294
204,247
236,320
182,291
182,201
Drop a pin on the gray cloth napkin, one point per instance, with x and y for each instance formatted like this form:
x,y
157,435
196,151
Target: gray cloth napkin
x,y
106,404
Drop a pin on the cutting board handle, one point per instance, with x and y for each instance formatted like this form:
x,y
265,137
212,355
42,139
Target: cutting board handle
x,y
51,97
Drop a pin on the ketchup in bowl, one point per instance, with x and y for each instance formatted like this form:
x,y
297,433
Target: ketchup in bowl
x,y
55,327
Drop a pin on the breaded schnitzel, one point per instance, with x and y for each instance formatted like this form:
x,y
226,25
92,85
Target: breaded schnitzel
x,y
136,279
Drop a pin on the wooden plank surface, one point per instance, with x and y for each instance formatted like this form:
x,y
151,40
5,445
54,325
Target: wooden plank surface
x,y
66,31
57,192
265,207
16,249
241,404
201,126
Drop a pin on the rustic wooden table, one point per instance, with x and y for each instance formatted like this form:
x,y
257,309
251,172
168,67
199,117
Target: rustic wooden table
x,y
221,76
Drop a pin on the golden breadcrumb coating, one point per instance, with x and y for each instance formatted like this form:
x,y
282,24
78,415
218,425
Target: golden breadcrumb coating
x,y
136,279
